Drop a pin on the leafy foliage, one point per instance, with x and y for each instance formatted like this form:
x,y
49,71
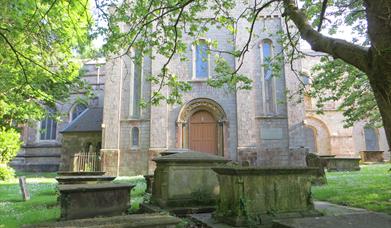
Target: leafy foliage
x,y
347,86
9,144
167,28
39,40
6,172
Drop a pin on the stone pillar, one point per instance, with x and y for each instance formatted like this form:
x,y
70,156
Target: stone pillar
x,y
110,161
179,131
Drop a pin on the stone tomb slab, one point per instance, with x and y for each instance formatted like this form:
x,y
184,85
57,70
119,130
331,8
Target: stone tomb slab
x,y
134,220
358,220
368,156
254,195
178,211
89,200
343,164
77,173
186,180
84,179
326,208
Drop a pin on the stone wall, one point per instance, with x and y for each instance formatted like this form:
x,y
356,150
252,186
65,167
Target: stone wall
x,y
73,143
44,155
330,135
249,133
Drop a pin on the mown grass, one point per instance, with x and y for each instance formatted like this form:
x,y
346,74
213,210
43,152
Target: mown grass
x,y
369,188
43,206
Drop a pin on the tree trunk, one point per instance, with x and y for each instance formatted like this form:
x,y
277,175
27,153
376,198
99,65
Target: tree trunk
x,y
379,30
383,102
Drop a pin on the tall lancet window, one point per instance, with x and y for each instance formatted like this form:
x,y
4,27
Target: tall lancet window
x,y
136,84
268,79
201,60
48,127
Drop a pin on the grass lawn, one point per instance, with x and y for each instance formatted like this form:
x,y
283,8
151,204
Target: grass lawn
x,y
42,206
369,188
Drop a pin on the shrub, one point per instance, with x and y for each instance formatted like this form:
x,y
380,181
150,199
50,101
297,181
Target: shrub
x,y
9,144
6,172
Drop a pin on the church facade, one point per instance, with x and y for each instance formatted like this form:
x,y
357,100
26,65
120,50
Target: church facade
x,y
259,126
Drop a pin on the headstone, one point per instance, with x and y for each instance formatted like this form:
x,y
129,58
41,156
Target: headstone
x,y
314,161
23,188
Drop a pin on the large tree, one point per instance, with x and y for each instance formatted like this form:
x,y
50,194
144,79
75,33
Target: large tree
x,y
157,28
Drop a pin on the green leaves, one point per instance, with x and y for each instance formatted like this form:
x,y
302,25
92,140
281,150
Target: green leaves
x,y
39,40
339,82
9,144
228,77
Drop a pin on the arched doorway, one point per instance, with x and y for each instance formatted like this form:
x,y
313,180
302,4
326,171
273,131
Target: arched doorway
x,y
202,125
203,132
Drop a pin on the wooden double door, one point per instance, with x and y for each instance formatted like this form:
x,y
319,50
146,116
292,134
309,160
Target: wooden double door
x,y
203,132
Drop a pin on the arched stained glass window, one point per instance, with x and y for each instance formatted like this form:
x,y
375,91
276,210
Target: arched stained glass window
x,y
77,110
135,136
201,60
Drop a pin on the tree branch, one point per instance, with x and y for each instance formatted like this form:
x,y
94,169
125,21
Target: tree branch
x,y
338,48
324,6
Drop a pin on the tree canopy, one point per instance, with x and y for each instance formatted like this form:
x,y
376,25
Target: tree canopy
x,y
40,42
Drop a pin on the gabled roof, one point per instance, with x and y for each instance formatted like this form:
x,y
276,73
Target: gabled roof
x,y
88,121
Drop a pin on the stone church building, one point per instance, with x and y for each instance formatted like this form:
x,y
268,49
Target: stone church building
x,y
259,126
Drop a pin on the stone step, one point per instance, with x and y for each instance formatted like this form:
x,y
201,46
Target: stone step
x,y
134,220
357,220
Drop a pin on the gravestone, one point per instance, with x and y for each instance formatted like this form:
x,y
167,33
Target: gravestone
x,y
23,188
314,161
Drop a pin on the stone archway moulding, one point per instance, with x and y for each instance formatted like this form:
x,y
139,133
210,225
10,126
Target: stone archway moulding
x,y
201,104
323,139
